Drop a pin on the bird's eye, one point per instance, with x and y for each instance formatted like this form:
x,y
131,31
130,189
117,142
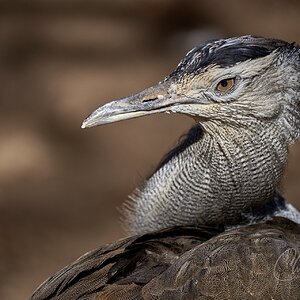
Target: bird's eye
x,y
225,85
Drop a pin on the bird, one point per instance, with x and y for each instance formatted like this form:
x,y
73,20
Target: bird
x,y
210,222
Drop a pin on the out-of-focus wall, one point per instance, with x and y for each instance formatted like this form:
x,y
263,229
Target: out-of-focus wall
x,y
60,186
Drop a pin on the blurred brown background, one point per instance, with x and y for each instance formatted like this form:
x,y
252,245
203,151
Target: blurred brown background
x,y
60,186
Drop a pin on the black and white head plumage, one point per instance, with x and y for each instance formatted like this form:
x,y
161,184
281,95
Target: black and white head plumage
x,y
226,53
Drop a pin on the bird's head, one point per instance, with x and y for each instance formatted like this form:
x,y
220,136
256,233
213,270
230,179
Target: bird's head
x,y
235,81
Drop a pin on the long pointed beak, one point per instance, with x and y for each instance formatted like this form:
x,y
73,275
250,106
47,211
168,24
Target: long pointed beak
x,y
156,99
150,101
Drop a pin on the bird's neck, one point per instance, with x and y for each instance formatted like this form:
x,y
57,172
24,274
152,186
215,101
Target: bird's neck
x,y
216,176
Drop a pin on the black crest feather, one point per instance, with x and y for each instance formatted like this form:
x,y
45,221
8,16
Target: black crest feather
x,y
226,52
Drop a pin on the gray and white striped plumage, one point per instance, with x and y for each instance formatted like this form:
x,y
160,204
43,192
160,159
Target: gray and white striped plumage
x,y
237,161
218,188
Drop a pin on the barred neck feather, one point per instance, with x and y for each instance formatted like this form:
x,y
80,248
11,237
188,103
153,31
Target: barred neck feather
x,y
215,177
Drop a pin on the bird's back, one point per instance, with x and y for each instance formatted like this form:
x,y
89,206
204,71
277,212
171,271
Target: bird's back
x,y
260,261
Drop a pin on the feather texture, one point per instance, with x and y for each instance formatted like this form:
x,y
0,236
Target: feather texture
x,y
210,223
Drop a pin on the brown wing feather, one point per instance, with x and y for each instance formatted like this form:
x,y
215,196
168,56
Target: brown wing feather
x,y
260,261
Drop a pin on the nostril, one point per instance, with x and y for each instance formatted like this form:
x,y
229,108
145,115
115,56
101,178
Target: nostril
x,y
149,99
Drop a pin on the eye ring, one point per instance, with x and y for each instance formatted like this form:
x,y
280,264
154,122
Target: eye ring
x,y
225,85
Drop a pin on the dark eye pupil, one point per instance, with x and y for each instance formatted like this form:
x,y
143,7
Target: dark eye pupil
x,y
224,83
